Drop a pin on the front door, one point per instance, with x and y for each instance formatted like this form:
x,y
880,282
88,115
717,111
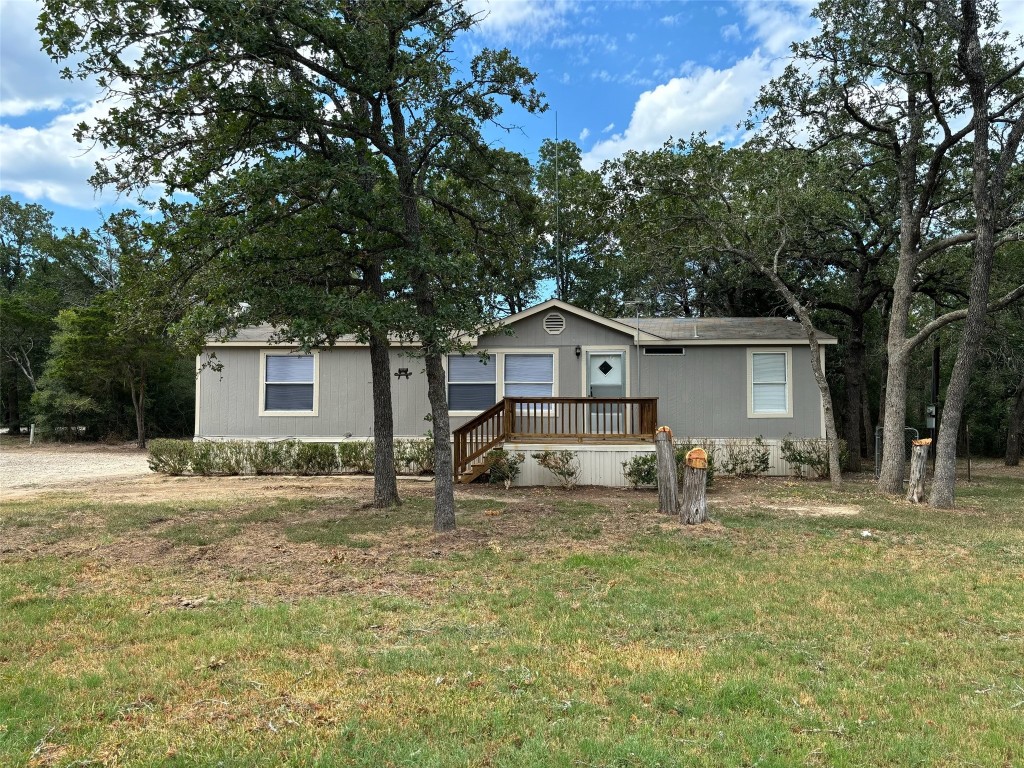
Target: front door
x,y
606,378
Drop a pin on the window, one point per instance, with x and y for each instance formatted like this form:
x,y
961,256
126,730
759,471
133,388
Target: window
x,y
529,375
770,394
289,384
472,384
664,351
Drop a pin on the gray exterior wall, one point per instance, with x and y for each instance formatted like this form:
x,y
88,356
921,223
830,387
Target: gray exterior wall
x,y
530,334
229,399
701,394
704,394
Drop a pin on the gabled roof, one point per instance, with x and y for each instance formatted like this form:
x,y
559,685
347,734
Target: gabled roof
x,y
653,331
735,330
616,324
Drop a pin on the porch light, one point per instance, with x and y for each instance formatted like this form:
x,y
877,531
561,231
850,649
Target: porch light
x,y
579,351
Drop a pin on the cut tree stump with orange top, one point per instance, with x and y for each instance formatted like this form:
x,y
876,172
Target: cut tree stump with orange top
x,y
694,508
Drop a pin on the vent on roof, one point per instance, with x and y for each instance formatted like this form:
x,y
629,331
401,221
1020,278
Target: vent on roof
x,y
554,323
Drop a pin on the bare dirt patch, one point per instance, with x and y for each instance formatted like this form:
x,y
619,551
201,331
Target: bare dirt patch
x,y
26,471
199,540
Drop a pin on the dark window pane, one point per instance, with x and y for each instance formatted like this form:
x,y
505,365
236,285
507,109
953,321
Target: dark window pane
x,y
470,397
289,397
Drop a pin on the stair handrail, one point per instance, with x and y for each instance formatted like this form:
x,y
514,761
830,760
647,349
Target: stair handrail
x,y
460,436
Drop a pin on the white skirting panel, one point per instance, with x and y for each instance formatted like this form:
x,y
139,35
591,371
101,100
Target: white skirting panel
x,y
599,464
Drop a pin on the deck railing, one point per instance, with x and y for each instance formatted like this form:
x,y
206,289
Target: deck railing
x,y
554,419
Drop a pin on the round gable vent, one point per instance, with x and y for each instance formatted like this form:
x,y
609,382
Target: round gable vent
x,y
554,323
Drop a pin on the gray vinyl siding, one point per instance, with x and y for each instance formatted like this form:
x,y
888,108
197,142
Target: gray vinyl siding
x,y
229,399
701,394
530,334
704,394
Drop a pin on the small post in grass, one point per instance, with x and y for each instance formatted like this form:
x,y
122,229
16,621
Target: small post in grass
x,y
694,509
668,484
918,469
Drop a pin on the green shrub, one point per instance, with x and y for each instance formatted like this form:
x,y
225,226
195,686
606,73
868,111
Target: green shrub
x,y
811,453
504,466
170,457
356,456
564,465
745,458
264,458
710,448
316,459
418,456
641,470
231,458
204,459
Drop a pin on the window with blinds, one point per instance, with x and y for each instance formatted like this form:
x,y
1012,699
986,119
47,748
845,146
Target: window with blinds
x,y
769,379
529,375
289,383
472,383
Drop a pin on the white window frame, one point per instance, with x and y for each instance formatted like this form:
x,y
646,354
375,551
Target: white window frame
x,y
264,354
447,383
788,352
499,372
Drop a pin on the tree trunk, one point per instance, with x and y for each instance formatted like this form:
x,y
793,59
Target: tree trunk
x,y
918,470
385,485
835,471
444,489
694,509
972,65
854,370
1015,427
668,482
139,403
869,432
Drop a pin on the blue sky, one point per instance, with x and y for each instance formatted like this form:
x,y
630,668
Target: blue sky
x,y
621,75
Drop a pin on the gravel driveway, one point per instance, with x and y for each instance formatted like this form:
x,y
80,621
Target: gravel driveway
x,y
67,466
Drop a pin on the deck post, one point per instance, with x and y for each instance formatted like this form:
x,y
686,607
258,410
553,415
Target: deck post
x,y
668,485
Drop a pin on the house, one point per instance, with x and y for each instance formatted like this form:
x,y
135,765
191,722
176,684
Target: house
x,y
553,375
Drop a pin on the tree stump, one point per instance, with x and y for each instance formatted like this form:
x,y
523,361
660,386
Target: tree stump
x,y
668,484
918,469
694,509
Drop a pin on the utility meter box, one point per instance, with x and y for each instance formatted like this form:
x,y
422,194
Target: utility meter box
x,y
929,419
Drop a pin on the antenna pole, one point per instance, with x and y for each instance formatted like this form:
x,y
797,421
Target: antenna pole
x,y
558,235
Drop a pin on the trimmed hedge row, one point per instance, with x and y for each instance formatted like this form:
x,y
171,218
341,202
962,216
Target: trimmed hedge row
x,y
286,457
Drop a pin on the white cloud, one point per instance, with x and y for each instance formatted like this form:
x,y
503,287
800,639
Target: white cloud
x,y
731,32
46,163
708,99
712,100
608,128
29,81
584,134
520,21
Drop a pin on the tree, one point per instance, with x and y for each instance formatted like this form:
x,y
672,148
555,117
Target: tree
x,y
42,272
995,158
576,251
212,87
882,75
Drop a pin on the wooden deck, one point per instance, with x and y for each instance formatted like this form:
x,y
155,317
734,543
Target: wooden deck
x,y
554,420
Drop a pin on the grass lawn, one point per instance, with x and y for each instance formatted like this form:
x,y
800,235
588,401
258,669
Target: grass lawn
x,y
271,622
